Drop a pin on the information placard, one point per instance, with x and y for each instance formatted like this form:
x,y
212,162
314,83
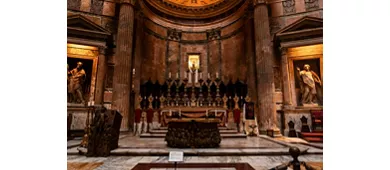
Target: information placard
x,y
176,156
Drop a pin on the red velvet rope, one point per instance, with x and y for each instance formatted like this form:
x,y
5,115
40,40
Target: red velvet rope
x,y
138,113
149,115
237,115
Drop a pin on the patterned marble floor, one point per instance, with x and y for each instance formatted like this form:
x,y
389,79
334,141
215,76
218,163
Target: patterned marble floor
x,y
237,147
250,142
128,162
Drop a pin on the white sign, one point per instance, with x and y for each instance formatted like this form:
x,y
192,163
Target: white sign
x,y
176,156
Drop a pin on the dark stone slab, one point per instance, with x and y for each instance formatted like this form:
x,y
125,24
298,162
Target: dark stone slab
x,y
192,134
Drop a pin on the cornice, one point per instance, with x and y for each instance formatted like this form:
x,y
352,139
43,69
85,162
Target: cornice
x,y
194,26
187,12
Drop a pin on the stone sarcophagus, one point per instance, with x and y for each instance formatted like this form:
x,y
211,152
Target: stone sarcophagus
x,y
104,134
193,134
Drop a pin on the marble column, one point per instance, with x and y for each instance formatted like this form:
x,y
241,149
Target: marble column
x,y
139,32
122,60
250,62
287,103
101,74
264,69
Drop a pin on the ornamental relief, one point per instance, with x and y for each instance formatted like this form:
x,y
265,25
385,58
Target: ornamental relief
x,y
97,6
84,52
312,4
74,4
288,6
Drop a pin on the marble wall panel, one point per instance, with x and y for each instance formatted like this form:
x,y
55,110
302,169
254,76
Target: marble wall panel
x,y
97,7
108,8
233,58
173,57
300,6
193,36
276,9
296,118
214,58
74,4
85,5
155,28
232,28
147,64
78,120
154,65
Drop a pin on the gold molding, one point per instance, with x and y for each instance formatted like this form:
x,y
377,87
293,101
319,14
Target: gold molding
x,y
302,53
89,53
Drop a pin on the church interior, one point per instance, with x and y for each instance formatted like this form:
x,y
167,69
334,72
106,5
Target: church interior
x,y
228,84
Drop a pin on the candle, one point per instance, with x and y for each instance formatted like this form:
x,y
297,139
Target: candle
x,y
190,77
201,75
170,75
89,103
196,76
208,75
217,75
93,103
177,75
133,70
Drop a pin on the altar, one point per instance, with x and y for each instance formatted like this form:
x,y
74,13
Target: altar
x,y
189,133
195,114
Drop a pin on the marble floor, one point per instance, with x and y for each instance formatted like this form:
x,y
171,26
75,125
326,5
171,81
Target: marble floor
x,y
260,152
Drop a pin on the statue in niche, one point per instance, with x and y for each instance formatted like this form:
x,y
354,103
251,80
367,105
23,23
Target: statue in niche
x,y
76,81
309,81
67,83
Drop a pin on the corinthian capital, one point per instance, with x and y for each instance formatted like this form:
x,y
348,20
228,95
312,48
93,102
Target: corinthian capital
x,y
283,50
259,2
132,2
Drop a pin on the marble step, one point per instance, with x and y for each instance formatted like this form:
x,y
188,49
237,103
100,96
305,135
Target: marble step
x,y
314,139
150,135
312,134
220,128
222,131
197,152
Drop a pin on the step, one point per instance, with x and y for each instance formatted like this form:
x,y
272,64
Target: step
x,y
220,128
313,139
151,135
312,134
222,131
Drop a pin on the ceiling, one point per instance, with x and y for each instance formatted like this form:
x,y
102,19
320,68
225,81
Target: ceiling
x,y
193,9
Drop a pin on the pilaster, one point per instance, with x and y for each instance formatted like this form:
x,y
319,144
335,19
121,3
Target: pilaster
x,y
101,73
287,102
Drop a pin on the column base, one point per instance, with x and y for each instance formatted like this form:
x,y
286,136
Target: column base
x,y
275,133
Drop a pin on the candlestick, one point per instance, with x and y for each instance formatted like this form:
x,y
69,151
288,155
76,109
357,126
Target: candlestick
x,y
196,76
190,77
93,103
170,75
201,75
208,75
